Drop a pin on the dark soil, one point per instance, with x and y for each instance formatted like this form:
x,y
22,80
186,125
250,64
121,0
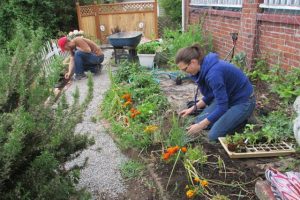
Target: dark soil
x,y
238,171
137,189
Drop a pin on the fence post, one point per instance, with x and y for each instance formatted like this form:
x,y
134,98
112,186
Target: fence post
x,y
55,49
249,30
97,22
78,15
155,18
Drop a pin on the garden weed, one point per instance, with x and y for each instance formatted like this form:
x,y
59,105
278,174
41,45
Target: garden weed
x,y
132,169
177,134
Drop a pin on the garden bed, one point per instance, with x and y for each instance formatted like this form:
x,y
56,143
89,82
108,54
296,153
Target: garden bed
x,y
236,182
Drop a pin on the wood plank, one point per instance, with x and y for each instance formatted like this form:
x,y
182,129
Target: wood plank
x,y
257,153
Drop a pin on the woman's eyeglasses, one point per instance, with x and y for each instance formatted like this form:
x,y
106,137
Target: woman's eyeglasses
x,y
184,69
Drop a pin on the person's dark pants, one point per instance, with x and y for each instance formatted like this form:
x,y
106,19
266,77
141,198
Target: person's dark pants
x,y
86,61
231,119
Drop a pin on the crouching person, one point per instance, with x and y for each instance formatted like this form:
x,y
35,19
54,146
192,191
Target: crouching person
x,y
86,55
228,94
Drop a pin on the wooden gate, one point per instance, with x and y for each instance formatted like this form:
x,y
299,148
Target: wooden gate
x,y
99,20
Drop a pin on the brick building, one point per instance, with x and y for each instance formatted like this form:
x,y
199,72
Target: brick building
x,y
270,28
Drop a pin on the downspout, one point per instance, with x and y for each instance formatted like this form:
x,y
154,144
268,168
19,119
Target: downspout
x,y
182,15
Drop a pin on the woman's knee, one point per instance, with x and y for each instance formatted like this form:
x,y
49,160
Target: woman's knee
x,y
213,135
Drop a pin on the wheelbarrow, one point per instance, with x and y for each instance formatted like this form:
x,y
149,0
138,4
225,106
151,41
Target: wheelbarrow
x,y
125,40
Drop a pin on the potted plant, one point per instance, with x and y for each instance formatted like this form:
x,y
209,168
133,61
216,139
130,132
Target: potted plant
x,y
146,53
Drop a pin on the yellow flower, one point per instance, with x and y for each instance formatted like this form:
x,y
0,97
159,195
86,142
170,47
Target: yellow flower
x,y
204,183
197,180
190,194
150,129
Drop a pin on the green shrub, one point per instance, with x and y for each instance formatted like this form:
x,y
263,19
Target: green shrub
x,y
175,40
34,139
172,9
283,82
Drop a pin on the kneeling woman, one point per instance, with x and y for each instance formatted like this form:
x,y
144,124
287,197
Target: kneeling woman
x,y
228,97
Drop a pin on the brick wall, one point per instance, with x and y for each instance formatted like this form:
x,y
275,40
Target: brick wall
x,y
220,24
280,42
274,35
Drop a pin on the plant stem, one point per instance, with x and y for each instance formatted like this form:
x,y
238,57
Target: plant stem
x,y
173,169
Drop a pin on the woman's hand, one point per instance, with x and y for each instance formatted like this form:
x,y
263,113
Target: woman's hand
x,y
197,128
194,129
186,112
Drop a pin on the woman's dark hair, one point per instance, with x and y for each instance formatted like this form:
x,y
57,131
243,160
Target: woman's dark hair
x,y
187,54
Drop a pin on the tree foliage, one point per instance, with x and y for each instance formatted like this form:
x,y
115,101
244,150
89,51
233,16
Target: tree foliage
x,y
172,9
52,15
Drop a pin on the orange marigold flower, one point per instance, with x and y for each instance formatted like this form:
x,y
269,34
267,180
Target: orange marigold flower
x,y
166,156
184,149
172,150
126,96
190,194
132,115
132,110
197,180
176,147
137,112
127,103
204,183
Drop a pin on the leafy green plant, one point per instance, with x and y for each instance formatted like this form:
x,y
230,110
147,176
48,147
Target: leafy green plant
x,y
240,60
283,82
148,47
278,126
196,155
124,72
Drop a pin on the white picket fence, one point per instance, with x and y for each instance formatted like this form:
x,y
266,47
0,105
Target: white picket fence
x,y
218,3
48,53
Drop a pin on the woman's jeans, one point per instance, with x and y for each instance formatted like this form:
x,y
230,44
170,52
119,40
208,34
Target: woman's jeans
x,y
230,120
86,61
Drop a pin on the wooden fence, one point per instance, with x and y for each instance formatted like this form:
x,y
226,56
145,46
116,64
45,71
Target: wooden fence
x,y
99,20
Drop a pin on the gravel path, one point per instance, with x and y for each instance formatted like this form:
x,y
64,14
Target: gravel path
x,y
101,175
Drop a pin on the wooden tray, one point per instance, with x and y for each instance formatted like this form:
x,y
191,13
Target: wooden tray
x,y
260,150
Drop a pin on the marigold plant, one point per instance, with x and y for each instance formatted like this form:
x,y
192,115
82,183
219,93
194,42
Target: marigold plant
x,y
184,149
204,183
190,193
150,129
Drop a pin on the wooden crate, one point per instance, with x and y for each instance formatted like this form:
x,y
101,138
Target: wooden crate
x,y
260,150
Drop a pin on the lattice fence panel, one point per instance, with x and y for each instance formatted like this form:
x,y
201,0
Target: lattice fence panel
x,y
87,11
125,8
